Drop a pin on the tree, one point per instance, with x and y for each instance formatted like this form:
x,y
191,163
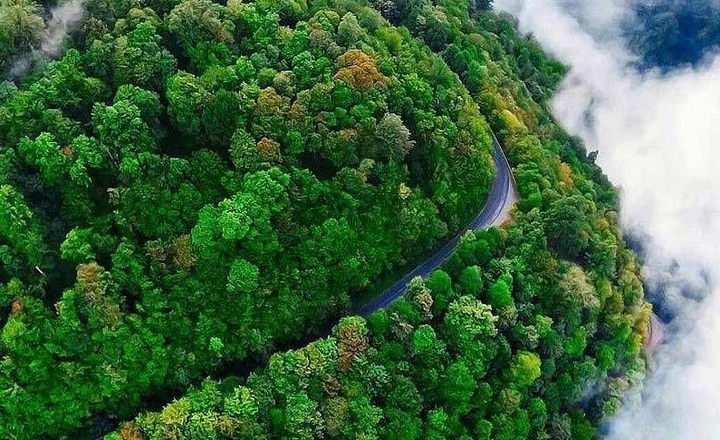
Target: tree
x,y
44,153
359,70
567,227
145,100
126,138
437,425
440,284
349,31
140,60
194,21
393,138
243,277
481,5
78,246
458,388
245,219
524,369
501,299
21,26
187,97
352,340
18,225
402,426
537,410
302,420
560,427
577,342
471,281
427,347
470,329
270,114
218,128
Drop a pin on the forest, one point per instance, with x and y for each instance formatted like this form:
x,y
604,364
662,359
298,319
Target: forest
x,y
671,33
195,196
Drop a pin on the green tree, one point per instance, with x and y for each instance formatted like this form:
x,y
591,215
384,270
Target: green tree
x,y
21,26
567,226
471,281
194,21
19,226
139,59
458,388
470,329
524,369
44,153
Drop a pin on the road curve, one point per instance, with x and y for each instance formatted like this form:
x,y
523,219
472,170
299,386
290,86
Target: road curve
x,y
496,210
655,335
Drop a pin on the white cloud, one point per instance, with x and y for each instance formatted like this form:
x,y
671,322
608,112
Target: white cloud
x,y
658,140
64,18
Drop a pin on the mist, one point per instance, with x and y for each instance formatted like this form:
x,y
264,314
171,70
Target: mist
x,y
63,19
656,136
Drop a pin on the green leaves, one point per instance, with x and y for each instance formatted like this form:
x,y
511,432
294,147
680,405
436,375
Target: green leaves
x,y
393,138
86,156
524,369
243,277
471,281
21,25
121,129
472,326
139,59
77,247
19,226
500,294
567,226
44,153
229,178
186,96
195,21
233,221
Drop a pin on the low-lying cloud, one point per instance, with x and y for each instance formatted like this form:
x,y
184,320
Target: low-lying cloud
x,y
63,19
657,139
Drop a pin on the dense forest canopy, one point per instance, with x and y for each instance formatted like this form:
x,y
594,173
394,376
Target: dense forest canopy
x,y
192,186
672,33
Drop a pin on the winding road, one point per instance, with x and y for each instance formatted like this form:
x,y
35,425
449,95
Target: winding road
x,y
496,210
655,333
500,201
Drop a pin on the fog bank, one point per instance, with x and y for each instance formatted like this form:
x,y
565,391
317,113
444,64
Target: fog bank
x,y
656,136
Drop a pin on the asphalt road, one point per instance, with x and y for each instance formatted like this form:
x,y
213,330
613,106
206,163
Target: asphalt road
x,y
655,333
496,210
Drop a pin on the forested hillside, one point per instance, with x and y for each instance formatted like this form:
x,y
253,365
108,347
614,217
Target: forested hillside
x,y
194,185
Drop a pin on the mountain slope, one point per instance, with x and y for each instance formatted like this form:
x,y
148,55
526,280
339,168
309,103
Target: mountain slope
x,y
196,185
530,331
189,187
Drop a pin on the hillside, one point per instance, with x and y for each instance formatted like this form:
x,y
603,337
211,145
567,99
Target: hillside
x,y
194,186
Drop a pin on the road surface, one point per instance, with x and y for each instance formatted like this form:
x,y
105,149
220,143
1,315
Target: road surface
x,y
496,210
655,333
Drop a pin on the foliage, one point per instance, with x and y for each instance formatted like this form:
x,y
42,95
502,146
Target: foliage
x,y
21,26
457,373
673,34
196,184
